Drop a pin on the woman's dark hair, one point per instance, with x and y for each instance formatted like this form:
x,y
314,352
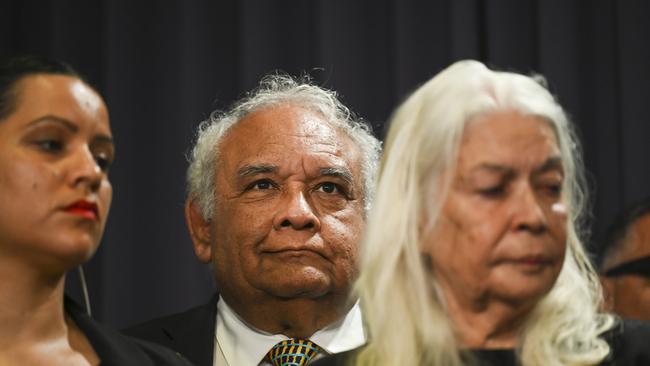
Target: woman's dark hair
x,y
14,69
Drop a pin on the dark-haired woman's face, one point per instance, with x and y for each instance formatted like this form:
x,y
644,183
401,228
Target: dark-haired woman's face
x,y
55,151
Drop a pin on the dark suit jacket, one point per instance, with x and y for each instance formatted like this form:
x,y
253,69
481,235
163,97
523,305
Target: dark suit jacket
x,y
190,333
115,349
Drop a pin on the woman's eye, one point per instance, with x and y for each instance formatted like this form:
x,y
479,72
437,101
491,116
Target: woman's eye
x,y
554,189
103,162
50,145
493,192
328,187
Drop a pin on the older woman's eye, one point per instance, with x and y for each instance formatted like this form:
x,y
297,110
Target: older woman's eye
x,y
493,192
553,189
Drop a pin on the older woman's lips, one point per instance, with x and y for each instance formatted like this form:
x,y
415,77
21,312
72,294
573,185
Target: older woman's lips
x,y
532,262
85,209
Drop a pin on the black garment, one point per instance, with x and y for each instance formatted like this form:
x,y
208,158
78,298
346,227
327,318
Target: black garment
x,y
190,333
115,349
629,345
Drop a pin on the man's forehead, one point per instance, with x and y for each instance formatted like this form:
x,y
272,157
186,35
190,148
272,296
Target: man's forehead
x,y
287,138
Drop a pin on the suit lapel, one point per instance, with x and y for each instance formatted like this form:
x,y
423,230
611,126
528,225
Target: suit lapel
x,y
194,336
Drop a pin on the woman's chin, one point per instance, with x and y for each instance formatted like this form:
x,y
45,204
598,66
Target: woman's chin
x,y
523,289
66,255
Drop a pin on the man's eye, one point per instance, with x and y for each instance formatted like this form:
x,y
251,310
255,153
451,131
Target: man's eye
x,y
261,185
50,145
328,187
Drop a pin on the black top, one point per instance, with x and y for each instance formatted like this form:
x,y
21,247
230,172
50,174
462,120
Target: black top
x,y
191,333
115,349
629,342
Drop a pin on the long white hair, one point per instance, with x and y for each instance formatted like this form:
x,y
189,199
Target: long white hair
x,y
405,317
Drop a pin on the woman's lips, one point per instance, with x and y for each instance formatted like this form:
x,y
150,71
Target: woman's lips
x,y
84,209
531,263
533,260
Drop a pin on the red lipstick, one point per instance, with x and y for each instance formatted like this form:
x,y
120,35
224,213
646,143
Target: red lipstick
x,y
84,209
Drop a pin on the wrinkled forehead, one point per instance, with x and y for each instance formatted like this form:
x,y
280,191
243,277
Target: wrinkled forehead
x,y
288,135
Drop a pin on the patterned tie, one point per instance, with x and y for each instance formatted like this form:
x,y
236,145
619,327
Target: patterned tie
x,y
292,352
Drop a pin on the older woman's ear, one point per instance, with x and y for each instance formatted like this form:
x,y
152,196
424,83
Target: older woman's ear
x,y
200,230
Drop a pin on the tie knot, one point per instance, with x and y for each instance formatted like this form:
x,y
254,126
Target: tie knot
x,y
292,352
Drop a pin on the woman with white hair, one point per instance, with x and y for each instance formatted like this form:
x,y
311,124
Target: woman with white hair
x,y
473,253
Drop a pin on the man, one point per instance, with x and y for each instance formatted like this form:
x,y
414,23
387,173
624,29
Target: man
x,y
278,189
626,264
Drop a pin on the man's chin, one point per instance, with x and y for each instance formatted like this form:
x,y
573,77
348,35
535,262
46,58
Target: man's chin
x,y
308,284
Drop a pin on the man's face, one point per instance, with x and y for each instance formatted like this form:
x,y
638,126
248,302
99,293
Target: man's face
x,y
289,207
629,294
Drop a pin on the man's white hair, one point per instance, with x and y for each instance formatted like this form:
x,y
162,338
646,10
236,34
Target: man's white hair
x,y
275,90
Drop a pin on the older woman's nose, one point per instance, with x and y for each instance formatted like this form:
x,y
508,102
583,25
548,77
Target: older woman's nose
x,y
84,170
296,212
528,213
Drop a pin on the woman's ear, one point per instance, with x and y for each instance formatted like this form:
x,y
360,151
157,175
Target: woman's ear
x,y
200,231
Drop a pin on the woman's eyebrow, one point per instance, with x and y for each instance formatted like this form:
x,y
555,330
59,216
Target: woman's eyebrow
x,y
105,139
552,163
503,170
52,118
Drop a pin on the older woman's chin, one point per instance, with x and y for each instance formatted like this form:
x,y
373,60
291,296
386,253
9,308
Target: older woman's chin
x,y
523,288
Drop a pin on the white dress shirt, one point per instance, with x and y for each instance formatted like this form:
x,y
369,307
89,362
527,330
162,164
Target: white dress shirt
x,y
239,344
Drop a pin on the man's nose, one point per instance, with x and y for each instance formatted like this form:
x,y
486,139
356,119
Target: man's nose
x,y
83,169
295,211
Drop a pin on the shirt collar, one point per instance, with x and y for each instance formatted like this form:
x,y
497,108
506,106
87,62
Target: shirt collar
x,y
244,345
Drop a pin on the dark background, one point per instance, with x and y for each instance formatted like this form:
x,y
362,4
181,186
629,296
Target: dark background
x,y
164,65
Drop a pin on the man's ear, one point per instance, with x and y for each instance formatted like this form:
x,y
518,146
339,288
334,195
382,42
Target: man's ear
x,y
200,231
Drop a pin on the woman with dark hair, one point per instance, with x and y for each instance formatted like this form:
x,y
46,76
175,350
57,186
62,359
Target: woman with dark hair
x,y
473,252
56,149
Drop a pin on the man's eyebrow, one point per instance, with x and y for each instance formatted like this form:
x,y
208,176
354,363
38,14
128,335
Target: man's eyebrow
x,y
552,163
339,172
249,170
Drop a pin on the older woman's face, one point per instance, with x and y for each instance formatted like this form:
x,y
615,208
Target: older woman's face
x,y
55,150
501,234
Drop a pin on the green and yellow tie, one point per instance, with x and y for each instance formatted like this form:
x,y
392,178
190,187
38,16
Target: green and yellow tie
x,y
293,352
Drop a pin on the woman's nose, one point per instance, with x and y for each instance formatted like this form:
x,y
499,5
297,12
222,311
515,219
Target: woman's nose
x,y
84,170
528,213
